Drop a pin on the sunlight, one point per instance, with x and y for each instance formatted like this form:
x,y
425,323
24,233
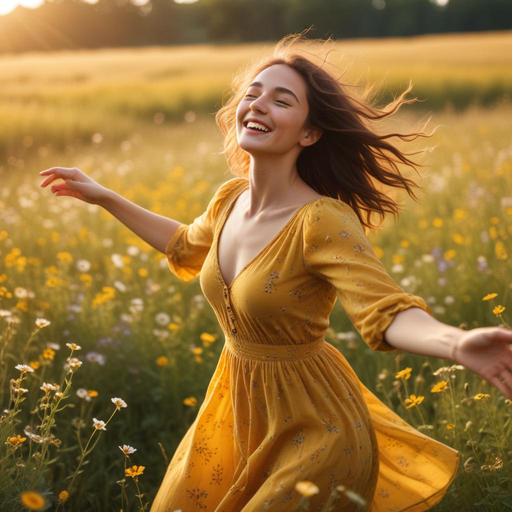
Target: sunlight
x,y
6,6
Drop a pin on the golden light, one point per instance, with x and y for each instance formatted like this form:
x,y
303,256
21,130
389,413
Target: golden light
x,y
6,6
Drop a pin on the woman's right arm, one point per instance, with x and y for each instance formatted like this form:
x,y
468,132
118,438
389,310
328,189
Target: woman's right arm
x,y
154,229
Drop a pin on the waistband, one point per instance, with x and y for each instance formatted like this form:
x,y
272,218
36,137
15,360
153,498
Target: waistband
x,y
267,352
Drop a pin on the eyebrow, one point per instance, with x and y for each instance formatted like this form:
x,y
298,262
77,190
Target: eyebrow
x,y
277,89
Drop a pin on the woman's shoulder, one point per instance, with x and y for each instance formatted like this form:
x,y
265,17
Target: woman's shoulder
x,y
328,216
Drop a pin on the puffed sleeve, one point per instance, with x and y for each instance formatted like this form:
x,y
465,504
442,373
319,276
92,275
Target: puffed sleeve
x,y
187,248
336,250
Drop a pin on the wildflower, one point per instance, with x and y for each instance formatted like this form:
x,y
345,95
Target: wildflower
x,y
32,500
41,322
63,496
482,396
450,426
15,441
404,374
92,393
34,364
190,401
134,471
99,424
127,450
306,488
96,357
119,403
207,337
49,353
46,387
439,387
73,364
413,400
162,361
83,265
162,319
33,437
498,310
73,346
490,296
81,392
54,346
20,391
23,368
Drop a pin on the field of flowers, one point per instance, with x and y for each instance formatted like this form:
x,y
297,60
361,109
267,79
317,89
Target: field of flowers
x,y
105,355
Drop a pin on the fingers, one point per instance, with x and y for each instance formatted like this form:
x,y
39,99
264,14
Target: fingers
x,y
57,172
502,387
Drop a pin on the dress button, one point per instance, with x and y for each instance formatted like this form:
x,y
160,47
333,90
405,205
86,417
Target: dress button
x,y
229,308
233,331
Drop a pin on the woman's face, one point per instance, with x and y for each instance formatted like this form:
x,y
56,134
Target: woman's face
x,y
276,99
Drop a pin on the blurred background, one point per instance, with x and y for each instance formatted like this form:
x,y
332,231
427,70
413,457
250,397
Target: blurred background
x,y
127,91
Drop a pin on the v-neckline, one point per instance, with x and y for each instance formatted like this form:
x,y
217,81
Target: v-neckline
x,y
265,248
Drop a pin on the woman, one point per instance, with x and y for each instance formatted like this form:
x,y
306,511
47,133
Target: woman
x,y
275,248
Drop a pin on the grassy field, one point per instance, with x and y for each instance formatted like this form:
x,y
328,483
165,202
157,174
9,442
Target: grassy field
x,y
152,340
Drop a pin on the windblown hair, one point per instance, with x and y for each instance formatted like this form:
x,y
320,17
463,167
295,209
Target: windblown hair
x,y
351,161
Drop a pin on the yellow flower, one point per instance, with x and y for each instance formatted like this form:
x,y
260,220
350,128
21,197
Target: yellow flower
x,y
498,310
207,337
34,364
162,361
65,256
15,441
32,500
450,426
92,393
404,243
197,350
490,296
440,386
49,353
437,223
190,401
413,400
307,488
450,254
135,471
404,374
63,495
482,396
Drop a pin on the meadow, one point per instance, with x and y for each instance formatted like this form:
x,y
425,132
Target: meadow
x,y
115,350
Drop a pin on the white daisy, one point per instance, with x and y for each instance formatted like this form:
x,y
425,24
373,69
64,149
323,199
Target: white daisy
x,y
119,403
99,424
127,450
24,368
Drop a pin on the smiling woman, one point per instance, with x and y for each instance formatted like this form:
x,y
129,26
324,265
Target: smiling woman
x,y
6,6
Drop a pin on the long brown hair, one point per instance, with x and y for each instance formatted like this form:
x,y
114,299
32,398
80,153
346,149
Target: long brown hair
x,y
350,161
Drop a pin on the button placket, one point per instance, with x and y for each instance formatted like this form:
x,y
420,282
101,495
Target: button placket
x,y
229,309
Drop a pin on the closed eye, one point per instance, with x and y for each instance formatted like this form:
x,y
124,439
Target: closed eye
x,y
277,101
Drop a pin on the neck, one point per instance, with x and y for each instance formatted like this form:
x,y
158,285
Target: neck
x,y
273,183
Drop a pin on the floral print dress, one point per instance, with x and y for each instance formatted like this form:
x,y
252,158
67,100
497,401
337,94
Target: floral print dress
x,y
283,404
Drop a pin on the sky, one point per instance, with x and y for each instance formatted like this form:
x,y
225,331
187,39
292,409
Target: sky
x,y
6,6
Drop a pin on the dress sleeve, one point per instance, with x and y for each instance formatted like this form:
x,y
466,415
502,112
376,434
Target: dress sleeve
x,y
336,250
188,247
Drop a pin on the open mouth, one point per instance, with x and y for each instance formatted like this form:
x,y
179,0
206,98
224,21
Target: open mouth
x,y
253,127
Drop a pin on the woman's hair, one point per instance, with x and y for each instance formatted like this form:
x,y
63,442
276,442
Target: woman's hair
x,y
350,161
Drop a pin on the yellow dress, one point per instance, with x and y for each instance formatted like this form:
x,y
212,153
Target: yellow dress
x,y
283,404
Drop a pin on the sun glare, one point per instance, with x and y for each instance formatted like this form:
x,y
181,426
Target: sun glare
x,y
6,6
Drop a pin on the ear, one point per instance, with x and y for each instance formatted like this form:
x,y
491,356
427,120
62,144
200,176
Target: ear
x,y
311,136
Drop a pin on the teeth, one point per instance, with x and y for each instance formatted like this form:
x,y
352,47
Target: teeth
x,y
258,126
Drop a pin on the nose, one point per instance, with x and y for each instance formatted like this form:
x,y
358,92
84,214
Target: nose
x,y
257,104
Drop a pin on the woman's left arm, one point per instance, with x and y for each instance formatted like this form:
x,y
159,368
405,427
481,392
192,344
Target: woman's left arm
x,y
485,351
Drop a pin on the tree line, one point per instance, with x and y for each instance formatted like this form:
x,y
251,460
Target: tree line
x,y
73,24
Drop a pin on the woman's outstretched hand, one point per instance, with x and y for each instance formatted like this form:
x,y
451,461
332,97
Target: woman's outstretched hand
x,y
486,351
76,184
